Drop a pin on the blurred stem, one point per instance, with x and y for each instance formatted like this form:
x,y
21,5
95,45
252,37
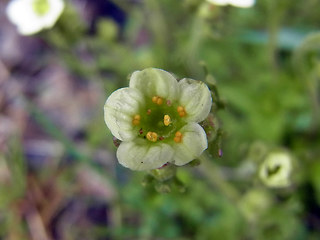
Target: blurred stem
x,y
116,219
158,27
275,13
192,49
212,172
313,88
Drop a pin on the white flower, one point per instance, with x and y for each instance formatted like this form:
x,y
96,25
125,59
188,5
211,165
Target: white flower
x,y
235,3
156,119
276,169
31,16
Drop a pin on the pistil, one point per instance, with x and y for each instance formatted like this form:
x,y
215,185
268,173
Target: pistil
x,y
152,136
166,120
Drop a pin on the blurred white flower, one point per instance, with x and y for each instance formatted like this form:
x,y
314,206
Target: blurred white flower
x,y
276,169
235,3
31,16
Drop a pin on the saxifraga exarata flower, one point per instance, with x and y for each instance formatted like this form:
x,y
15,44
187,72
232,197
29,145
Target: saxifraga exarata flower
x,y
32,16
156,118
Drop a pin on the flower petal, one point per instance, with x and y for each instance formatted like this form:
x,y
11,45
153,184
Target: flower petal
x,y
194,142
196,99
155,82
139,155
119,109
56,9
242,3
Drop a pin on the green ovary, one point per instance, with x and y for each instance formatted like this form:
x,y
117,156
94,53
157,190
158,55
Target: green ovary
x,y
41,7
152,120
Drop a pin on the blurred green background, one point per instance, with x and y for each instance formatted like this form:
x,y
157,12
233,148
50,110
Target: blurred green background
x,y
59,178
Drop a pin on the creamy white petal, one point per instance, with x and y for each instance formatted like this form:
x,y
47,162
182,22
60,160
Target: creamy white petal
x,y
194,142
155,82
242,3
139,155
195,98
119,110
56,9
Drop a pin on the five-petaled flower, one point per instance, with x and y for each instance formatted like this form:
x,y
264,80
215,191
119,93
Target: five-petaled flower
x,y
156,118
31,16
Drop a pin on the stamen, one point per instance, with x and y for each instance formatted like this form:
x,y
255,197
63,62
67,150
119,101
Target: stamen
x,y
178,134
178,137
158,100
137,116
136,119
166,120
149,111
169,103
154,99
152,136
181,111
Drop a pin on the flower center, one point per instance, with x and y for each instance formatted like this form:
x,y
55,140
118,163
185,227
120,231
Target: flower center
x,y
160,120
40,7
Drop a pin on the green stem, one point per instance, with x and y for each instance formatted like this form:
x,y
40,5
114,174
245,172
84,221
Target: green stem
x,y
211,171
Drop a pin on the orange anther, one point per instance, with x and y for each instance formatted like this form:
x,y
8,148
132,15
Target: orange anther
x,y
135,122
182,114
154,99
159,101
181,111
137,117
178,134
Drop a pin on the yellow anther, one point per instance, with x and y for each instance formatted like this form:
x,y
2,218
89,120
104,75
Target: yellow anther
x,y
178,137
178,134
181,111
158,100
152,136
136,119
154,99
182,114
166,120
135,122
